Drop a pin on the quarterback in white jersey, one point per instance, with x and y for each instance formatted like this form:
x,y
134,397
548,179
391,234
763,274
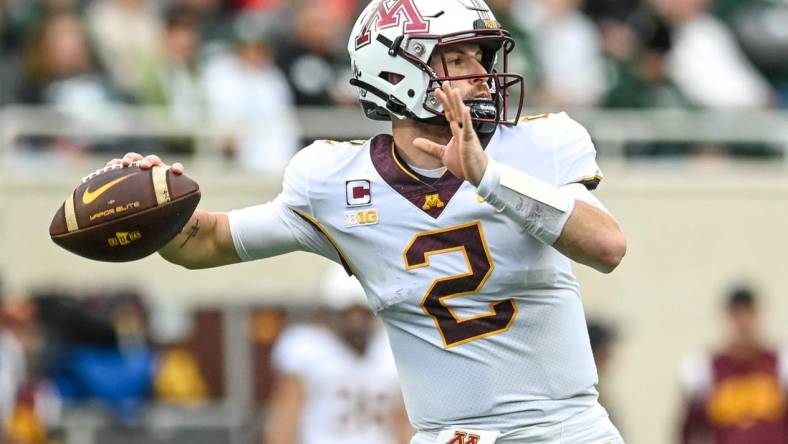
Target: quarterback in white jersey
x,y
336,380
461,226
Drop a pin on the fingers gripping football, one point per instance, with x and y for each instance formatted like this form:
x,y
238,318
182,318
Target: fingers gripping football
x,y
145,162
126,210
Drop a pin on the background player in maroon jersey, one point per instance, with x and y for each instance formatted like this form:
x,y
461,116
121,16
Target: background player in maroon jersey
x,y
737,395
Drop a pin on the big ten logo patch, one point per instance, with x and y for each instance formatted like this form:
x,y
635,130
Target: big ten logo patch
x,y
361,218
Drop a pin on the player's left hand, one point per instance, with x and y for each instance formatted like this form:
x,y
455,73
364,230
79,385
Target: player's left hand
x,y
463,155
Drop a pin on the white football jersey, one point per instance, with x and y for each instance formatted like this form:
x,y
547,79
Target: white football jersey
x,y
485,321
349,398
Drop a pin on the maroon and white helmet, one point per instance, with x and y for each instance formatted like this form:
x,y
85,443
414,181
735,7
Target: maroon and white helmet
x,y
400,36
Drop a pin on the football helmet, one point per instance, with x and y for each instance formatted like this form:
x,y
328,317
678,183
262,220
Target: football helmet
x,y
391,46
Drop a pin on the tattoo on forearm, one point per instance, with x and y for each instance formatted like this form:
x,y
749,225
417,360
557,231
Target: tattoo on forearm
x,y
193,230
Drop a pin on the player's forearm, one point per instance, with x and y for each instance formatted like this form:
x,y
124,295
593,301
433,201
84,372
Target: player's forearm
x,y
402,429
278,432
592,237
580,231
281,426
205,241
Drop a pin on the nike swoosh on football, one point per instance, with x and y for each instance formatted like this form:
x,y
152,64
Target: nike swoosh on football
x,y
89,196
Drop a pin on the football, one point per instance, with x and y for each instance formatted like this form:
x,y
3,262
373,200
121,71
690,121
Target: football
x,y
121,214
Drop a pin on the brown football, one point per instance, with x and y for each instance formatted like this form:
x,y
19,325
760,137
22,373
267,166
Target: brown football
x,y
123,214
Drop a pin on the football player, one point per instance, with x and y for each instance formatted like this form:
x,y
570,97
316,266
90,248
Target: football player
x,y
461,226
737,393
336,382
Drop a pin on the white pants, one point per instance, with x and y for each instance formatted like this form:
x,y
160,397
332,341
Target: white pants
x,y
590,427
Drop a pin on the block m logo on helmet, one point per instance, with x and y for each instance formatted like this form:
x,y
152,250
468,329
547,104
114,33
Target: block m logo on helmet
x,y
390,13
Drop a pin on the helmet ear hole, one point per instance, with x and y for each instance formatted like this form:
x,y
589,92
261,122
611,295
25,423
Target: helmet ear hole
x,y
391,77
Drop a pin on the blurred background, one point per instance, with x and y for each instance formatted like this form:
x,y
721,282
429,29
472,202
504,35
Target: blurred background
x,y
687,101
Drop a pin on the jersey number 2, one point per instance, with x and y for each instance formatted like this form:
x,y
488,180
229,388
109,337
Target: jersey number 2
x,y
468,239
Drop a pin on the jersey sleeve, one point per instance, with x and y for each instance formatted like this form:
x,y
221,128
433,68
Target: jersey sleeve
x,y
279,226
695,375
575,154
782,366
580,192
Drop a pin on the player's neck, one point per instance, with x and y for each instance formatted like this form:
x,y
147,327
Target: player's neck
x,y
744,348
405,131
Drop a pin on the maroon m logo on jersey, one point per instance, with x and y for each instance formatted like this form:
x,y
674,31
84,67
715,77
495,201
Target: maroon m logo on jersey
x,y
390,13
464,438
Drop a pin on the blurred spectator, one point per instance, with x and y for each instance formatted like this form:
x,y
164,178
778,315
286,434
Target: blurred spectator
x,y
8,40
337,382
258,5
13,367
215,19
637,52
345,10
601,11
29,404
635,42
5,29
179,379
19,22
569,49
313,57
726,9
522,60
12,372
760,26
23,16
250,101
125,52
602,339
60,72
705,61
174,79
736,395
98,350
60,68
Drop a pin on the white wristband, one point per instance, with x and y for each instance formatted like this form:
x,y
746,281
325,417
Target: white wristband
x,y
538,207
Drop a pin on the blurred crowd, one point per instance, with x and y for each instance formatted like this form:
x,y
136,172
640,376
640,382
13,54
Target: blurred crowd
x,y
131,363
243,65
102,350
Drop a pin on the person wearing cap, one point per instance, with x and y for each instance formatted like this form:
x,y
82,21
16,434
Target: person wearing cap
x,y
736,395
336,381
250,103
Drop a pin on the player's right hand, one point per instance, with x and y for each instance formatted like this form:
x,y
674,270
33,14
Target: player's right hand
x,y
145,162
463,155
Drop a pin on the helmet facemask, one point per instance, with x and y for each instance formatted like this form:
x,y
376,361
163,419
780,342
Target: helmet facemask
x,y
486,113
